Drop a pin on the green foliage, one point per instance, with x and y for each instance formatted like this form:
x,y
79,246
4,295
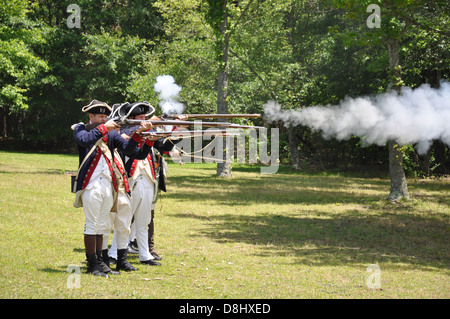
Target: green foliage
x,y
215,13
188,55
13,10
110,62
426,58
19,66
298,52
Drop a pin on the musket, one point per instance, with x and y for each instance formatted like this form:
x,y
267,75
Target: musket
x,y
128,122
189,133
213,116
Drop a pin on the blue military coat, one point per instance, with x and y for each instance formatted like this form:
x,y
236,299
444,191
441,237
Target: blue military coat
x,y
85,140
161,145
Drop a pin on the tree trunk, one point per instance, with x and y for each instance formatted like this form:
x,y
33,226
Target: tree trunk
x,y
292,131
439,156
4,121
293,145
427,162
399,187
223,168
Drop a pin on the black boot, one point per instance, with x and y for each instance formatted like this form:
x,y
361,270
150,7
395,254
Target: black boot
x,y
132,250
151,239
134,244
151,262
103,262
93,267
122,262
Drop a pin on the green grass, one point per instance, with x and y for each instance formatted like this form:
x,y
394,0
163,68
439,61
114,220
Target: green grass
x,y
288,235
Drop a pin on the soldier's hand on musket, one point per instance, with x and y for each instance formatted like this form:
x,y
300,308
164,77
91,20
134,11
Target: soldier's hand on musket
x,y
145,126
181,117
111,125
152,136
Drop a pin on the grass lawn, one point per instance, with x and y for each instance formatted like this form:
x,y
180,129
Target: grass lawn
x,y
282,236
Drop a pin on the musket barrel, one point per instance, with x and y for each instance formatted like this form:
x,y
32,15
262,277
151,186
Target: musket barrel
x,y
174,123
164,133
128,122
186,123
214,116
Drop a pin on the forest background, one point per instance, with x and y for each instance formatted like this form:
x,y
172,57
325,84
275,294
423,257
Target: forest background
x,y
228,56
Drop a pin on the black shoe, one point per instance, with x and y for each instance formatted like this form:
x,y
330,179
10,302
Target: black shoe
x,y
94,268
150,262
156,256
132,250
112,261
134,245
96,272
122,262
103,262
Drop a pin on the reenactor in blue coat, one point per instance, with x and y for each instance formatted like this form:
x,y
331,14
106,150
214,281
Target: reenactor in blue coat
x,y
101,184
145,179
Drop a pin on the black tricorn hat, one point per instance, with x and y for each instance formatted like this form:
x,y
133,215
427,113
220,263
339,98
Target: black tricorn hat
x,y
116,109
97,107
134,109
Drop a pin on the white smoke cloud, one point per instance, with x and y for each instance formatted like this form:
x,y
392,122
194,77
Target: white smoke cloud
x,y
415,116
168,93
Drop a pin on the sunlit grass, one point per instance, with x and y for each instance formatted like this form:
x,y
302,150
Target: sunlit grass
x,y
287,235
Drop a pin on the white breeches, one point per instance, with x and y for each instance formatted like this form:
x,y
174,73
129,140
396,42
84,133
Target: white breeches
x,y
141,206
97,202
120,221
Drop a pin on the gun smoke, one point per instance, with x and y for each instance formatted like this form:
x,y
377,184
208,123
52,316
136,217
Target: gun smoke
x,y
412,116
168,93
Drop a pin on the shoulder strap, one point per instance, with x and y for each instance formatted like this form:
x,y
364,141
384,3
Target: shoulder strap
x,y
85,159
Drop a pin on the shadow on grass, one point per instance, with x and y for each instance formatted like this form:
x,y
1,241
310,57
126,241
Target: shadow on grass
x,y
290,189
351,239
387,233
41,171
62,269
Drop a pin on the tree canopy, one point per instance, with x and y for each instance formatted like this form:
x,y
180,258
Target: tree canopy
x,y
300,53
